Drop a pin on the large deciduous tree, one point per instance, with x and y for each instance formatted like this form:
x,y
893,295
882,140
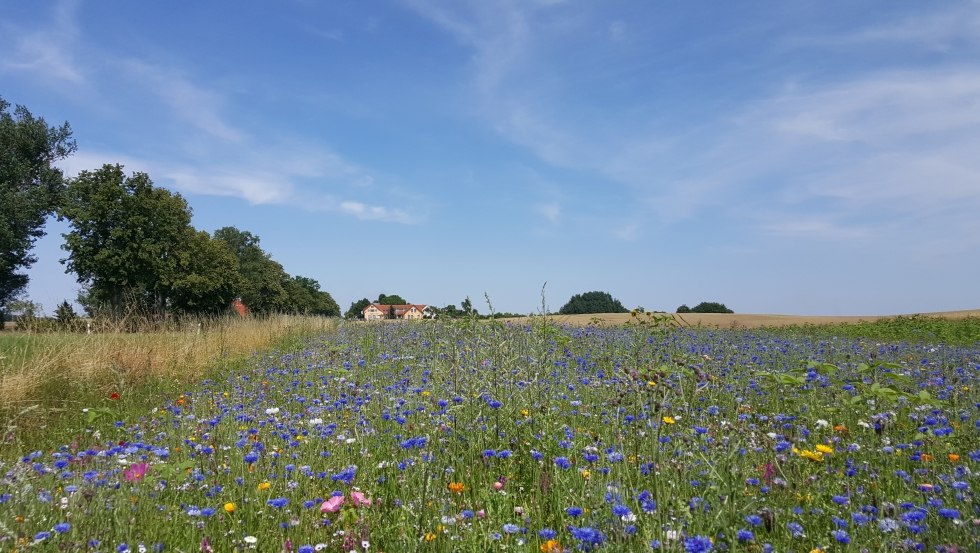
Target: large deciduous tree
x,y
126,238
266,283
30,188
592,302
306,297
207,277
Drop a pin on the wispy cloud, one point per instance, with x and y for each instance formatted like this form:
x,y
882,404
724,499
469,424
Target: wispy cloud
x,y
47,51
193,104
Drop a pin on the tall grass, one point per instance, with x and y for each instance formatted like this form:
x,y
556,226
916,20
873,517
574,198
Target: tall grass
x,y
48,372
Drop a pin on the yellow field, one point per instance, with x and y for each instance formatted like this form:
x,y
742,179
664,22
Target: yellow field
x,y
740,320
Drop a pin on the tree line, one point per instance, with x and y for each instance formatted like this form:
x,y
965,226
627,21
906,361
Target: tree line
x,y
131,245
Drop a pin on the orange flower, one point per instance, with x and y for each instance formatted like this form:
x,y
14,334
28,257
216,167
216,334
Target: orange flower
x,y
953,458
456,487
841,429
551,546
926,457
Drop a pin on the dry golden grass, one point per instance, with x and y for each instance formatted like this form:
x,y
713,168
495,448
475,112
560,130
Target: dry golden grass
x,y
30,363
740,320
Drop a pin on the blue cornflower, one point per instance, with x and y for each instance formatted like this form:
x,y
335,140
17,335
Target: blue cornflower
x,y
745,535
754,520
697,544
841,536
620,510
949,513
655,544
278,502
588,536
346,476
510,528
562,462
840,499
860,518
782,445
62,527
41,536
306,549
547,533
467,513
795,529
251,457
574,511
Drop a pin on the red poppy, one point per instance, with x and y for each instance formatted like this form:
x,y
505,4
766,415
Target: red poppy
x,y
114,395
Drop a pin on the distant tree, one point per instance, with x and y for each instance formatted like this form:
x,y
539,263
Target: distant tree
x,y
393,299
30,189
356,310
127,238
449,312
306,297
468,308
683,309
65,313
710,307
592,302
391,311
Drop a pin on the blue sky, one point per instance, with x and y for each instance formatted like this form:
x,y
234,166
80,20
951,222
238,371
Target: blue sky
x,y
803,157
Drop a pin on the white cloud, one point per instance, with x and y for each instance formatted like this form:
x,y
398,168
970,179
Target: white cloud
x,y
46,52
193,104
550,211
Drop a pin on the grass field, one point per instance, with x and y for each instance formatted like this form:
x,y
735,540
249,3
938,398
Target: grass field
x,y
481,436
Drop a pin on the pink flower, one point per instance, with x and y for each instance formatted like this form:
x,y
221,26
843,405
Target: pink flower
x,y
135,472
332,505
359,499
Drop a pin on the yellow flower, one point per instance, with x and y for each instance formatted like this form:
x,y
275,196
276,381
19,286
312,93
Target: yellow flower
x,y
525,413
824,448
229,507
429,536
264,486
586,474
651,383
456,487
668,420
811,455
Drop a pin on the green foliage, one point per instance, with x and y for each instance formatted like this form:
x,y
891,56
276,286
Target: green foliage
x,y
127,238
592,302
266,282
305,297
394,299
684,309
356,310
207,278
30,189
66,316
914,329
709,307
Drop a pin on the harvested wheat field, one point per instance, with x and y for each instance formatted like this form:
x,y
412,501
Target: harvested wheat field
x,y
745,320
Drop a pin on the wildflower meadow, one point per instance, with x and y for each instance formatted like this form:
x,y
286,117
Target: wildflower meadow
x,y
485,436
